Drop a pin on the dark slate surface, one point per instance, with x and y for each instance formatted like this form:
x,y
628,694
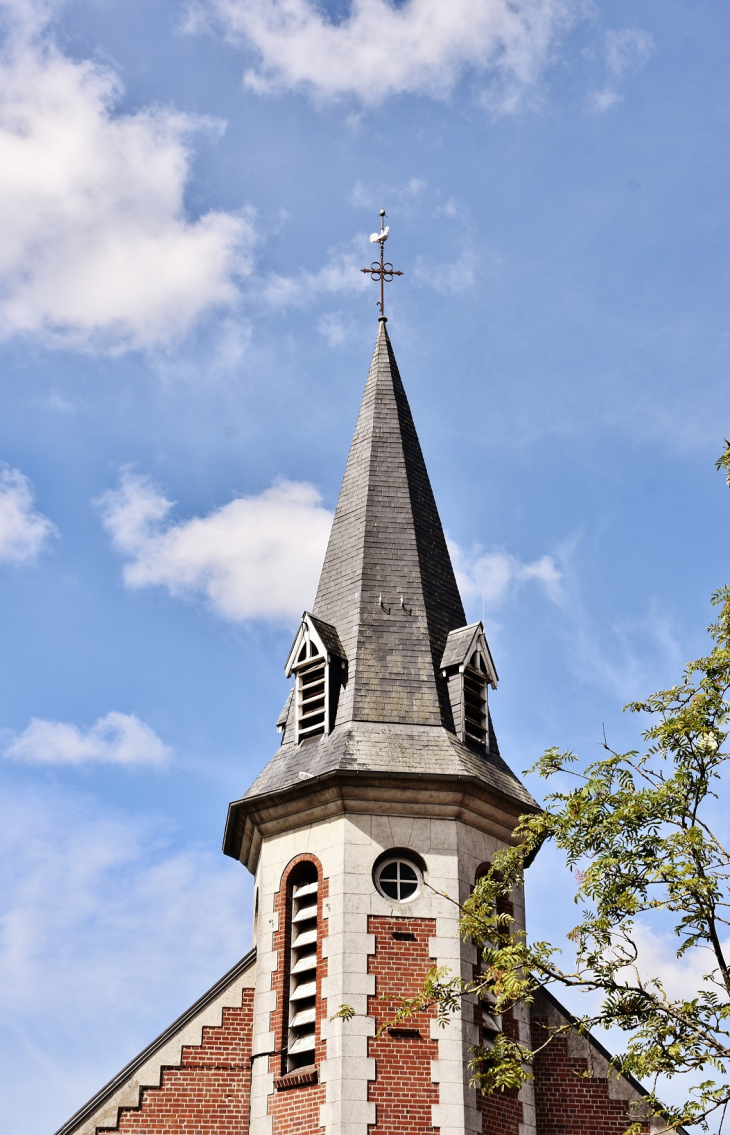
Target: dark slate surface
x,y
282,718
386,747
393,712
329,636
387,541
457,645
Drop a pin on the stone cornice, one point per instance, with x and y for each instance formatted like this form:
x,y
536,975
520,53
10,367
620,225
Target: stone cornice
x,y
314,799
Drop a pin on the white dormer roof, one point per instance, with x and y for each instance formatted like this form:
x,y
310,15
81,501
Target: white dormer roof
x,y
322,635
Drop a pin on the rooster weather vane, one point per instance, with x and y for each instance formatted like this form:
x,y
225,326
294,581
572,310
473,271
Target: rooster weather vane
x,y
381,270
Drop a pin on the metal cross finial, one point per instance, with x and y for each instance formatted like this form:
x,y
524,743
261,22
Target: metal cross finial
x,y
383,270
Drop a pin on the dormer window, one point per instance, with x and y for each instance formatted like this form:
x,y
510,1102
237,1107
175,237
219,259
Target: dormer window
x,y
312,693
475,699
468,668
317,662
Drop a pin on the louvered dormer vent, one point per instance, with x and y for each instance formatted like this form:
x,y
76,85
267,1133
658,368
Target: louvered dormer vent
x,y
303,973
318,665
475,700
312,692
468,668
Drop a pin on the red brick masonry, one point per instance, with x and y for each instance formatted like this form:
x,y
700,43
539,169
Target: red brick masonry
x,y
402,1091
208,1093
566,1102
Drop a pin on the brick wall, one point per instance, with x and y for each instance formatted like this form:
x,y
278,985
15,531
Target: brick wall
x,y
568,1104
297,1097
402,1091
208,1093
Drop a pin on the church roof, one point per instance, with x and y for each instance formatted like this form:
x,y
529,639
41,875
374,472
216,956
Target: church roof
x,y
388,605
461,643
387,582
329,636
366,747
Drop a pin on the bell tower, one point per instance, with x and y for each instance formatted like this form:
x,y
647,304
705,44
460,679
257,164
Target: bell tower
x,y
372,820
365,831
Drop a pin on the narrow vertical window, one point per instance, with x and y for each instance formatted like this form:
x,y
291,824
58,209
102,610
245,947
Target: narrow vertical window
x,y
468,669
319,666
302,1007
311,680
491,1024
475,700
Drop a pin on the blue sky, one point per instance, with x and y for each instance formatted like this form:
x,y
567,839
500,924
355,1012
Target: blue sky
x,y
187,193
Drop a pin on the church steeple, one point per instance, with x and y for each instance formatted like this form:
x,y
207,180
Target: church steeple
x,y
370,824
387,583
390,690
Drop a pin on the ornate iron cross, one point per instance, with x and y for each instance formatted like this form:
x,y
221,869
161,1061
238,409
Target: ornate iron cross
x,y
382,270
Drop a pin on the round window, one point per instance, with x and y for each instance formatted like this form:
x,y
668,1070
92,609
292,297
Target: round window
x,y
398,878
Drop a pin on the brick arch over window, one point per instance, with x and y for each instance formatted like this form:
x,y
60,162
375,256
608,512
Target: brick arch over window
x,y
297,1087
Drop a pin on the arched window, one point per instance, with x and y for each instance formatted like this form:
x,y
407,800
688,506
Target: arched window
x,y
302,915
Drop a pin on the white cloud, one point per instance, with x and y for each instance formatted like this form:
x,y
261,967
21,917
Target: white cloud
x,y
116,738
398,194
335,326
107,932
495,575
23,532
624,656
626,51
380,50
681,977
451,277
341,275
257,557
96,247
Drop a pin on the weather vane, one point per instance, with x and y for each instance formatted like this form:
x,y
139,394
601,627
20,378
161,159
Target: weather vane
x,y
383,270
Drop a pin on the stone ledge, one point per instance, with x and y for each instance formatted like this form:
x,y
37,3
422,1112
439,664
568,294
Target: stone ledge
x,y
296,1079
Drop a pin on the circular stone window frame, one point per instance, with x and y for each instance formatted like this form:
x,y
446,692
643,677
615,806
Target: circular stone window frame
x,y
399,855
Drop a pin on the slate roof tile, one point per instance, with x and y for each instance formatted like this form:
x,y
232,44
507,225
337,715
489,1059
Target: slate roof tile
x,y
388,602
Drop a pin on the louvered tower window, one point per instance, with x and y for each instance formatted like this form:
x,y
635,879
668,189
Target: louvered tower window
x,y
468,668
302,1006
491,1024
318,665
312,692
475,699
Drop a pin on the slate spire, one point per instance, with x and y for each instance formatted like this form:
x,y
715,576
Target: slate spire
x,y
387,583
386,603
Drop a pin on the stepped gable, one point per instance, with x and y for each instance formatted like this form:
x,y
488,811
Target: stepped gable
x,y
194,1076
